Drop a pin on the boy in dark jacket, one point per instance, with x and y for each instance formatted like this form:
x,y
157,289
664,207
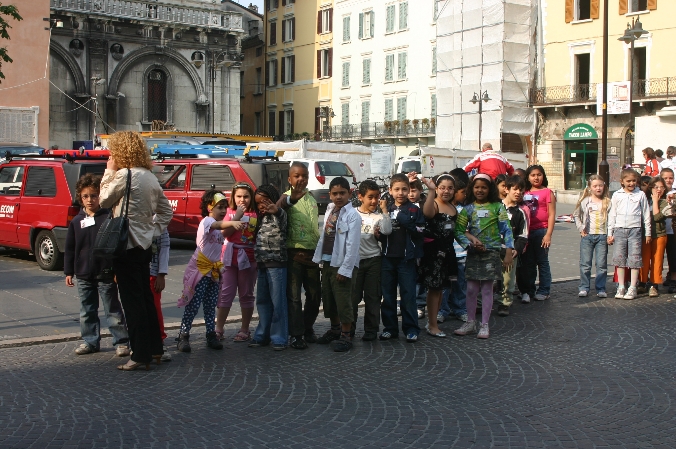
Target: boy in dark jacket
x,y
400,250
94,276
517,219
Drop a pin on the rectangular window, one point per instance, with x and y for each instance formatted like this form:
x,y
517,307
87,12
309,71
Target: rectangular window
x,y
640,72
346,74
436,9
205,176
389,68
365,111
366,24
271,123
366,72
638,5
583,9
272,73
259,51
401,108
289,29
433,106
273,33
324,62
288,122
257,123
324,19
434,60
389,23
346,29
389,109
288,69
403,15
345,113
401,70
582,63
258,88
170,177
40,181
11,179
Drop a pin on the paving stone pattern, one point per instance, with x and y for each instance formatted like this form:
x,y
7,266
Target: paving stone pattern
x,y
565,373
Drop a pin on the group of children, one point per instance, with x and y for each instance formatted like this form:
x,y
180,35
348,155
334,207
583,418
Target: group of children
x,y
638,222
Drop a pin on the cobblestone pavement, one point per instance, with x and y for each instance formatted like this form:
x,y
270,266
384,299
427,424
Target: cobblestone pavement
x,y
564,373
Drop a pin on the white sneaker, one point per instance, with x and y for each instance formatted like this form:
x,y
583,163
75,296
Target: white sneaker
x,y
631,293
483,331
440,318
583,293
602,295
467,328
421,314
540,297
525,298
620,293
462,317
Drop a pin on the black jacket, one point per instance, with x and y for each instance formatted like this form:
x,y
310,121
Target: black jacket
x,y
78,258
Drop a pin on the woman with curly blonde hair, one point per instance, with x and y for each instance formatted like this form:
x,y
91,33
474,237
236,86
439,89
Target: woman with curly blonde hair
x,y
149,215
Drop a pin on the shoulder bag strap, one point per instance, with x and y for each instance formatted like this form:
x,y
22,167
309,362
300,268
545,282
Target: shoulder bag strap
x,y
126,196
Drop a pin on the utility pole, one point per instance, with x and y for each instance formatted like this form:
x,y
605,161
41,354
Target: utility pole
x,y
604,168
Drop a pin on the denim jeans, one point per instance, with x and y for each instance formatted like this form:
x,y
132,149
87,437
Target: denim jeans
x,y
536,262
420,296
588,245
273,315
397,271
90,326
453,299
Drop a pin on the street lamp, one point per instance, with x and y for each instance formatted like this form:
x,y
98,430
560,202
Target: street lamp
x,y
633,32
326,114
477,99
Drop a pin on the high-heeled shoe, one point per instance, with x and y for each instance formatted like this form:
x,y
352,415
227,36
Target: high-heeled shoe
x,y
133,366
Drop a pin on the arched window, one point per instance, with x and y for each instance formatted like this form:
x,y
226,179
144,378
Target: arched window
x,y
157,95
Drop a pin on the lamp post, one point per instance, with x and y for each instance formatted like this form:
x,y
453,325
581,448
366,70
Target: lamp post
x,y
326,114
631,34
477,99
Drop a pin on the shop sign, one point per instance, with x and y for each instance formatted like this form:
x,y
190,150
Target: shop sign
x,y
580,131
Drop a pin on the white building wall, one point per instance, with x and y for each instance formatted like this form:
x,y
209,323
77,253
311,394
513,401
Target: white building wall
x,y
417,40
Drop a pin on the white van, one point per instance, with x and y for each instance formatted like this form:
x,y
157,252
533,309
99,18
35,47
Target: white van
x,y
322,173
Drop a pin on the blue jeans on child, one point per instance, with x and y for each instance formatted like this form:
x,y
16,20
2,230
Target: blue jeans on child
x,y
588,245
536,262
420,296
89,292
453,299
273,314
397,271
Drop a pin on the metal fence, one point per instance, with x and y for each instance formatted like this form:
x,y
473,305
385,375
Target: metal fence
x,y
378,130
656,88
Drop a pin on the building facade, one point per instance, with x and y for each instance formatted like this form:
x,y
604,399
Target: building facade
x,y
252,75
567,98
384,61
299,48
486,55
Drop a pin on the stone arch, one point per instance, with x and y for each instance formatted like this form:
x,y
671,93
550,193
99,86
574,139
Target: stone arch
x,y
78,77
136,55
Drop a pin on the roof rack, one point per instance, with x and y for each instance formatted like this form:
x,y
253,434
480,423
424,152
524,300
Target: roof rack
x,y
68,157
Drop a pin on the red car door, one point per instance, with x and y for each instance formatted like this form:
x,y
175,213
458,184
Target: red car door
x,y
171,177
11,181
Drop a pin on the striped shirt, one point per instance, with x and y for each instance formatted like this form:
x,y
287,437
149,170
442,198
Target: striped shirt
x,y
160,261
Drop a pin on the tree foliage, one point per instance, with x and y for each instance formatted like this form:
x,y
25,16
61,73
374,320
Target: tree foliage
x,y
12,12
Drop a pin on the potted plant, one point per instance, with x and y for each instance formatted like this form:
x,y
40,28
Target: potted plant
x,y
416,122
433,122
426,123
388,125
395,124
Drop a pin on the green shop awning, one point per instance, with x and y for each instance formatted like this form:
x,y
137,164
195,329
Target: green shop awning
x,y
580,131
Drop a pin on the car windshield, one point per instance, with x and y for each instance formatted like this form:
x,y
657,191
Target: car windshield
x,y
329,168
409,166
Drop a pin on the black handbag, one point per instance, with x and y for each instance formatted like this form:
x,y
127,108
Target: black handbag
x,y
111,240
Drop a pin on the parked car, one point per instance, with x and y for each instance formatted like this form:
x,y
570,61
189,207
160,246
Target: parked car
x,y
37,202
322,173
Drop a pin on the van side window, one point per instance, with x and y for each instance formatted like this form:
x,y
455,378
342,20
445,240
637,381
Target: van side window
x,y
204,176
40,182
170,177
11,179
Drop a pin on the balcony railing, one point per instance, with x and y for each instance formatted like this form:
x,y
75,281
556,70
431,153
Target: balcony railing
x,y
378,130
653,89
153,11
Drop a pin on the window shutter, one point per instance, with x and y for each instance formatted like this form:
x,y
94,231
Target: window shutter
x,y
273,33
318,123
346,29
267,5
271,123
389,67
330,20
346,74
389,20
434,60
292,60
330,50
293,129
594,9
283,72
281,130
570,4
403,15
319,22
283,2
389,106
319,63
293,29
433,108
652,5
401,108
283,30
373,23
274,73
365,111
345,116
361,25
267,74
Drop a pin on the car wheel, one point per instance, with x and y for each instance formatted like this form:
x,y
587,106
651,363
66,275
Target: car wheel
x,y
47,252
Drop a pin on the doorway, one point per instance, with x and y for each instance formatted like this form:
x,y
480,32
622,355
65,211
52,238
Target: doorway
x,y
581,162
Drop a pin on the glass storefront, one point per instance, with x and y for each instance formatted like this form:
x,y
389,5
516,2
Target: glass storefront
x,y
581,157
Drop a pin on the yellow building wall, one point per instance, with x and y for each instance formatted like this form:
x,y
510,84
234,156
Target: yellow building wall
x,y
562,39
307,92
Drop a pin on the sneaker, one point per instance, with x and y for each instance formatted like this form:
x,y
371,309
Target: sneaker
x,y
467,328
183,344
298,343
483,331
84,348
525,298
328,337
462,317
343,344
278,346
387,336
369,336
441,318
503,310
122,351
620,293
311,337
653,292
601,294
166,357
411,337
631,293
421,314
583,293
540,297
258,343
213,342
641,289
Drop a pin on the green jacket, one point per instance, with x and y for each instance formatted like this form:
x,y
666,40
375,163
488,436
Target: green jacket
x,y
303,224
659,220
